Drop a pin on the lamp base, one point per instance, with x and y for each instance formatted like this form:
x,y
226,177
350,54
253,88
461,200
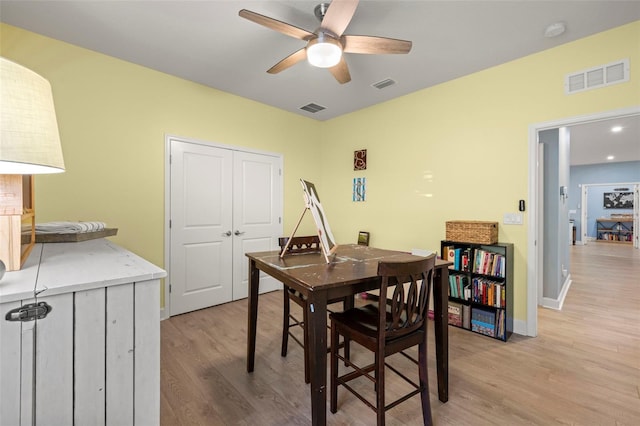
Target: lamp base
x,y
17,220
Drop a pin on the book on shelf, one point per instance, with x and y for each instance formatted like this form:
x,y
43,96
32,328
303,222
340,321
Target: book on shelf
x,y
465,261
483,322
455,314
459,286
488,292
489,263
461,258
449,253
466,317
456,259
500,325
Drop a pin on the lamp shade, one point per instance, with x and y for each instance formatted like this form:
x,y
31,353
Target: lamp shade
x,y
29,137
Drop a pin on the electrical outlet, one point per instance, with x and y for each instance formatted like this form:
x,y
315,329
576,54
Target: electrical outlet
x,y
512,219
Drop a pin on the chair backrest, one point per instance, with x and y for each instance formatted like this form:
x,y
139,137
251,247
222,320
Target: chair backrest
x,y
407,309
300,244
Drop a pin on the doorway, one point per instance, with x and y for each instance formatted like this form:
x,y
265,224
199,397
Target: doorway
x,y
623,222
222,202
534,232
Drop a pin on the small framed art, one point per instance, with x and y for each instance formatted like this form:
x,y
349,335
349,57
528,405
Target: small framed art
x,y
359,192
360,160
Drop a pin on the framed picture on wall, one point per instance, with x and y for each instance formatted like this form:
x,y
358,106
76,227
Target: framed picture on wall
x,y
363,238
618,200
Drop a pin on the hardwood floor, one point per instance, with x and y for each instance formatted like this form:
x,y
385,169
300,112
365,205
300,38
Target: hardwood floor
x,y
582,369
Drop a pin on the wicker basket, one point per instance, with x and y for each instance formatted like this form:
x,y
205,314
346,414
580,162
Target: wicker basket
x,y
472,231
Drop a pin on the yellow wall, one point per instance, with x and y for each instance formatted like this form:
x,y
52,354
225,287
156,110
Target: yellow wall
x,y
455,151
460,150
113,118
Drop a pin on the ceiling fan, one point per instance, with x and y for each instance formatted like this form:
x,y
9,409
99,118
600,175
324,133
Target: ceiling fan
x,y
326,45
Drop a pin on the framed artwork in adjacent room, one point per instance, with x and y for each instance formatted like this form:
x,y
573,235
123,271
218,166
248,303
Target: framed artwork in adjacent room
x,y
618,200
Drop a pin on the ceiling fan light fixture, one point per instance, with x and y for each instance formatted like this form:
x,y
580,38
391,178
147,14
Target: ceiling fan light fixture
x,y
324,51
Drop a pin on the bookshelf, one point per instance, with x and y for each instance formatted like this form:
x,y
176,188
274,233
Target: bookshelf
x,y
481,287
615,230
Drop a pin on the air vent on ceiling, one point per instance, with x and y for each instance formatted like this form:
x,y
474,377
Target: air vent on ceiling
x,y
383,83
600,76
313,108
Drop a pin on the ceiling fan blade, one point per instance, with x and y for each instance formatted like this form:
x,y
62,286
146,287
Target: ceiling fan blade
x,y
374,45
289,61
341,71
274,24
338,16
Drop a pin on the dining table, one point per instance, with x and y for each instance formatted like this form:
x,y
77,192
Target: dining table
x,y
351,270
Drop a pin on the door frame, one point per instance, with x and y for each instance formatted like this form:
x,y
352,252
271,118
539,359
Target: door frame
x,y
165,310
534,266
584,201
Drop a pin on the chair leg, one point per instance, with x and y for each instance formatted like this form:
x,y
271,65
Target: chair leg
x,y
380,387
334,369
347,304
424,383
285,321
307,362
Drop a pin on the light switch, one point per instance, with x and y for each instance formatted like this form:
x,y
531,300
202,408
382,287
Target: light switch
x,y
512,219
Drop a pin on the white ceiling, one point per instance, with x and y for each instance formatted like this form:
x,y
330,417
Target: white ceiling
x,y
592,143
207,42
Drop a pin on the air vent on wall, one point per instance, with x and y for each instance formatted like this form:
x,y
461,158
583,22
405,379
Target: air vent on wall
x,y
600,76
313,108
383,83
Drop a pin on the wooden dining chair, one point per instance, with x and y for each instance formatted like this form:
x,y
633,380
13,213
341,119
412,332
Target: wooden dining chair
x,y
399,324
301,245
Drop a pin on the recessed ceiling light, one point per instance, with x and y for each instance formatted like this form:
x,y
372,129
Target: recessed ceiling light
x,y
555,29
610,157
616,129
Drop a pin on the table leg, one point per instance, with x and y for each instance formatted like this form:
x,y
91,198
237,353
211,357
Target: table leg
x,y
252,314
441,324
317,329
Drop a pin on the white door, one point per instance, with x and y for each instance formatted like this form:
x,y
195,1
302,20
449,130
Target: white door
x,y
257,214
224,203
201,226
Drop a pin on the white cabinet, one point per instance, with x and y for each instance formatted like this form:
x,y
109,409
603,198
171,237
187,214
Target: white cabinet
x,y
95,358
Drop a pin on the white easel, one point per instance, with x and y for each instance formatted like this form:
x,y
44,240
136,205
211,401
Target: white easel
x,y
326,251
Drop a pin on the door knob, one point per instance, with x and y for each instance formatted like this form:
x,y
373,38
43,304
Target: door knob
x,y
238,232
226,234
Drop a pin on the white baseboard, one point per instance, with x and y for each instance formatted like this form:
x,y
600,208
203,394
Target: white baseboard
x,y
556,304
520,327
